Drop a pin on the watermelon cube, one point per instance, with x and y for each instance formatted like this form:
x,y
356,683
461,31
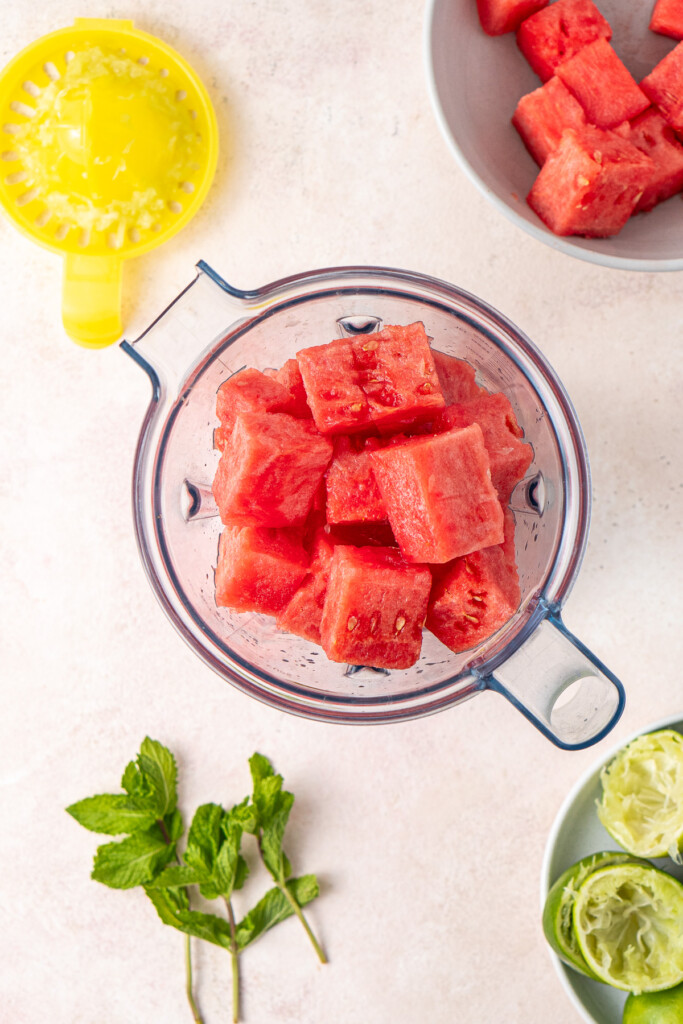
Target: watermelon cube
x,y
456,378
352,491
375,607
555,34
667,18
664,87
270,470
259,569
654,136
590,184
247,390
474,597
542,115
509,456
439,496
303,614
500,16
377,381
289,375
603,85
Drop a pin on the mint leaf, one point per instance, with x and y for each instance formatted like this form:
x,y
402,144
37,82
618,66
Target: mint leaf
x,y
135,783
112,814
132,861
175,876
158,768
275,907
204,838
203,926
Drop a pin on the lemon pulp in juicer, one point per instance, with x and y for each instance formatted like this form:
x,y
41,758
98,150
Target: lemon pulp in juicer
x,y
107,144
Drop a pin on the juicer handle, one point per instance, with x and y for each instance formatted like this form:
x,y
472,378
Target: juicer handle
x,y
560,686
91,299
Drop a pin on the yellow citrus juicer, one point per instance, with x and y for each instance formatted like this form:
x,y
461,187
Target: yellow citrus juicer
x,y
108,146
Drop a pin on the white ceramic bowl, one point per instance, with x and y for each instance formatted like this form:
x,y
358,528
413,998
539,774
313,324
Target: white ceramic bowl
x,y
575,833
475,82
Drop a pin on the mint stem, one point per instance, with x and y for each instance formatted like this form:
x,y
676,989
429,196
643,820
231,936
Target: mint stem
x,y
188,988
234,956
282,886
196,1016
300,914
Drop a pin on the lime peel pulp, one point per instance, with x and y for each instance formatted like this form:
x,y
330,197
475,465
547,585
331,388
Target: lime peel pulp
x,y
628,922
642,799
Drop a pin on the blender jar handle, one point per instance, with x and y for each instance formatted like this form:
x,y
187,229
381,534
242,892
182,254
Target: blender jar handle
x,y
560,686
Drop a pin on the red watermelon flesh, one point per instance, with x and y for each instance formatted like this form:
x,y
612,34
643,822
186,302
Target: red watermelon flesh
x,y
603,85
590,184
362,535
377,381
667,18
500,16
509,456
439,496
474,597
557,33
542,115
303,614
654,136
270,470
259,569
374,608
247,390
352,491
456,378
289,375
664,87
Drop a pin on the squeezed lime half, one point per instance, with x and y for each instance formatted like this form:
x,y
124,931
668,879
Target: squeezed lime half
x,y
628,923
655,1007
559,905
642,795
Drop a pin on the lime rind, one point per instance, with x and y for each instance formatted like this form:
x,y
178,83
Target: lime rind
x,y
628,923
642,796
655,1007
559,905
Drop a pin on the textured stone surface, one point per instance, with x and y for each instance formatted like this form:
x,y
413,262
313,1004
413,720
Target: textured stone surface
x,y
428,836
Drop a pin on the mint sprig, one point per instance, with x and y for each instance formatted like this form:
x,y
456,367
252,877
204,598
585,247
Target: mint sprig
x,y
212,861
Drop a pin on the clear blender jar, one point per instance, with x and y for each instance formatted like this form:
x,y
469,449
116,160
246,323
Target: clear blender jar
x,y
212,330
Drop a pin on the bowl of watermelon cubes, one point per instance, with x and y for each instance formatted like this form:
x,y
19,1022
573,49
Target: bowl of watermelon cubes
x,y
362,495
568,116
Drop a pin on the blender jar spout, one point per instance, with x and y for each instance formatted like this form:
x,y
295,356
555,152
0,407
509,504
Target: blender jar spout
x,y
560,686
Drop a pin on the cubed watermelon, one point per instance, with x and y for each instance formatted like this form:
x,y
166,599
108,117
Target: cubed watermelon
x,y
654,136
303,614
439,496
603,85
270,470
664,87
259,569
247,390
555,34
289,375
456,378
500,16
510,457
377,381
667,18
375,607
475,596
542,115
352,491
590,184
